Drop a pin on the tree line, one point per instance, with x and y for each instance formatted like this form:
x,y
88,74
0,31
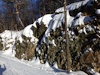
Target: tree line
x,y
17,14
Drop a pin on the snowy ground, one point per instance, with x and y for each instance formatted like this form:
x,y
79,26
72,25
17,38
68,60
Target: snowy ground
x,y
13,66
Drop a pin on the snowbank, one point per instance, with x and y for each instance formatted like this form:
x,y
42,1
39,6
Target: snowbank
x,y
29,33
8,39
74,6
45,19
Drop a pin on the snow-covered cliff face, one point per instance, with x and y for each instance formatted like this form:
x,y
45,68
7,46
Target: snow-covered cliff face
x,y
45,38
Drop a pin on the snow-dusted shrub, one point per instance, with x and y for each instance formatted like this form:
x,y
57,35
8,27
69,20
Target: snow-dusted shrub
x,y
54,48
25,49
39,30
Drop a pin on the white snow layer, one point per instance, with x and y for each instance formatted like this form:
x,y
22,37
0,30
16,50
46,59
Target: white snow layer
x,y
81,20
29,33
96,73
57,21
8,39
45,19
13,66
75,5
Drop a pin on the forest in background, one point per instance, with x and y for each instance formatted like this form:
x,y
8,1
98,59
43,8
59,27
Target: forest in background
x,y
13,12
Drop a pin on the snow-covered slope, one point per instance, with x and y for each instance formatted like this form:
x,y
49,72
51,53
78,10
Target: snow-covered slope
x,y
13,66
45,40
76,5
51,22
8,39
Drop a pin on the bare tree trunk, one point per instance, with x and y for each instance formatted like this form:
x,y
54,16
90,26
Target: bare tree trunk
x,y
67,39
17,12
20,20
44,8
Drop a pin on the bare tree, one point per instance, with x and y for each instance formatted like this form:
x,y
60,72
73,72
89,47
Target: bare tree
x,y
17,7
67,39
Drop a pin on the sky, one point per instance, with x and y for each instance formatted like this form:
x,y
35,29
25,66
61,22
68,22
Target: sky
x,y
34,2
0,2
0,5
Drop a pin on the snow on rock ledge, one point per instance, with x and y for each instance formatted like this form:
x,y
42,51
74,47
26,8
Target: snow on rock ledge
x,y
9,38
29,33
74,6
45,19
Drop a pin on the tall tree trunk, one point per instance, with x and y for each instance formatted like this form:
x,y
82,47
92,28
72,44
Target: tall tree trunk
x,y
17,13
67,39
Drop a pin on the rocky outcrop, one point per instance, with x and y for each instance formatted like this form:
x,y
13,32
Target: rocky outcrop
x,y
84,38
